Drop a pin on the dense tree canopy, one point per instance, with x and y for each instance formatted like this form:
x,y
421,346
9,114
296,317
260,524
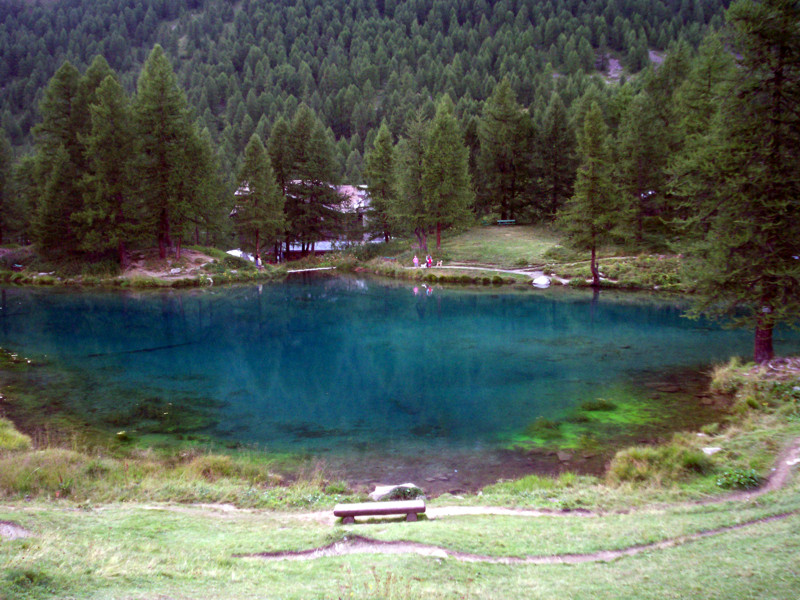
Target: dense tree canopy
x,y
354,64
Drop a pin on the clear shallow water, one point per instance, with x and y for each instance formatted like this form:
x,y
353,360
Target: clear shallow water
x,y
335,363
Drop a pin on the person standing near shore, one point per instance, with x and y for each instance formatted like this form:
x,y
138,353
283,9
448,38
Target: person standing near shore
x,y
416,262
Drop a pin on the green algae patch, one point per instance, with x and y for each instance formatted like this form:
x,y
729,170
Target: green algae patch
x,y
623,414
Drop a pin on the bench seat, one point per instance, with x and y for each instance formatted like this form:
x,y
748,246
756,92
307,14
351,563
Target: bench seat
x,y
409,508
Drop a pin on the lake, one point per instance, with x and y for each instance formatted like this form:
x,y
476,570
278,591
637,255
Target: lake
x,y
333,366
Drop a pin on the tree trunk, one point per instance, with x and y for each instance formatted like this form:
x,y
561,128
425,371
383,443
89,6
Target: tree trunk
x,y
123,256
422,239
595,269
197,235
438,236
178,249
763,343
163,238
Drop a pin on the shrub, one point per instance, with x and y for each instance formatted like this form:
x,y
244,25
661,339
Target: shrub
x,y
405,493
726,379
739,479
337,488
660,464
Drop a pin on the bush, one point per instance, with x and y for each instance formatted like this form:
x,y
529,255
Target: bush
x,y
337,488
739,479
660,464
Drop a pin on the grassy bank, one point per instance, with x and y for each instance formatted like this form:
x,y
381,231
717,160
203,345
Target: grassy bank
x,y
486,253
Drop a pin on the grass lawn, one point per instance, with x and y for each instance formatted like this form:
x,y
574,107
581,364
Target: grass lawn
x,y
170,551
505,246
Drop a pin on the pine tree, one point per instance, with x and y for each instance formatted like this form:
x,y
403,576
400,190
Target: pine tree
x,y
280,154
445,172
556,150
696,103
259,205
379,172
640,162
312,202
588,217
162,118
5,183
748,265
505,133
409,212
110,216
210,206
59,156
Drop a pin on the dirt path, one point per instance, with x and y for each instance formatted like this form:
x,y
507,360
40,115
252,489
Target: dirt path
x,y
361,545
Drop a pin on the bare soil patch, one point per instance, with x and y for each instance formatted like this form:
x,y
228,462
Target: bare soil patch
x,y
147,263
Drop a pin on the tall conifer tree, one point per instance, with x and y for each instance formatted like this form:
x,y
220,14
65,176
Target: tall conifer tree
x,y
445,172
409,212
162,118
59,157
259,206
380,176
556,150
504,161
312,202
749,267
5,183
589,216
640,163
110,216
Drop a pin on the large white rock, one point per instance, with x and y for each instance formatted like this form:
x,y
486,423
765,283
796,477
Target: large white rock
x,y
543,281
382,491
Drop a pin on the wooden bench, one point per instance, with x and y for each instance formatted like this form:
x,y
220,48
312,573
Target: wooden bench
x,y
409,508
506,221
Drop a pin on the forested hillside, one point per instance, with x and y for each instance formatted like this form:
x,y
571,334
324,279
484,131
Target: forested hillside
x,y
354,63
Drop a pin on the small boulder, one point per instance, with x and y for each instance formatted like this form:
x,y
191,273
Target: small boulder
x,y
541,282
403,491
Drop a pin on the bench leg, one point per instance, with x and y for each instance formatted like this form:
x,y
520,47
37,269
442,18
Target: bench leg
x,y
411,516
348,520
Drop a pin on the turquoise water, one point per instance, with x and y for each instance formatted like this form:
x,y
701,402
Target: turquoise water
x,y
334,363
